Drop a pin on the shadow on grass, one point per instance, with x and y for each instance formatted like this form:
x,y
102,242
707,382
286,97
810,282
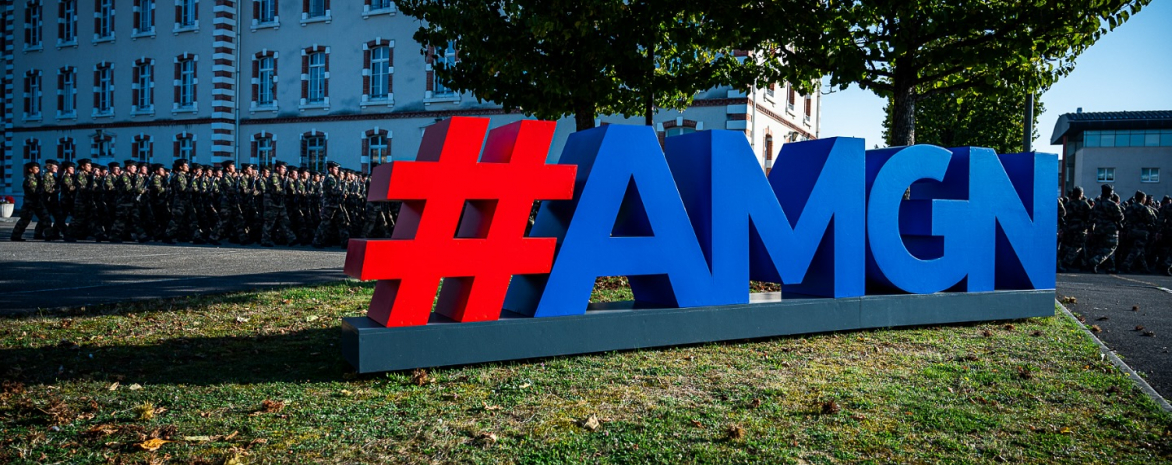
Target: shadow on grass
x,y
60,289
308,355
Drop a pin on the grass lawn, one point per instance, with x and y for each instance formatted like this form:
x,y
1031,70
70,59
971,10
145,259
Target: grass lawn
x,y
259,378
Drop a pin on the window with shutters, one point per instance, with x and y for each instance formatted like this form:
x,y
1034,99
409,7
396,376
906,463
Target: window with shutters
x,y
103,21
67,93
32,150
143,87
313,11
66,149
67,23
264,146
185,83
377,7
33,25
101,146
315,77
378,71
103,90
186,15
791,97
144,18
32,95
376,148
809,101
264,14
144,147
313,151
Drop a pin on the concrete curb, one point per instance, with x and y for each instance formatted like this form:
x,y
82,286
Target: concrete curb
x,y
1119,363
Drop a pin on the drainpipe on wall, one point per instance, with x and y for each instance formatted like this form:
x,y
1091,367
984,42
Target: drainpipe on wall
x,y
753,130
236,85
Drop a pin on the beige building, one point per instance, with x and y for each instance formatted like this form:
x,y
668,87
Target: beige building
x,y
302,81
1130,150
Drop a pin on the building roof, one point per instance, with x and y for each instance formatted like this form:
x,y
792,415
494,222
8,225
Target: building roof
x,y
1078,122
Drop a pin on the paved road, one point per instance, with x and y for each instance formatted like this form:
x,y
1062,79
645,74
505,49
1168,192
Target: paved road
x,y
1108,300
46,275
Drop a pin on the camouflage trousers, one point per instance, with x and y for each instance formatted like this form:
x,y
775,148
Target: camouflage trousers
x,y
231,223
1138,253
27,211
48,228
276,217
126,216
1101,247
377,223
1072,244
333,220
84,224
183,221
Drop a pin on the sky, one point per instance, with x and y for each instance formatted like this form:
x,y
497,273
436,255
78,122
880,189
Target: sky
x,y
1129,69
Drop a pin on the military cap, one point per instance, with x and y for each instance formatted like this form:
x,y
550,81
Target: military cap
x,y
179,162
279,164
196,166
30,165
129,163
67,164
113,165
1167,198
83,162
227,164
156,166
304,169
332,164
50,162
1106,188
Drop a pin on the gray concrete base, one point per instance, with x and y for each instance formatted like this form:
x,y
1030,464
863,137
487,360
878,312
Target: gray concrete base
x,y
621,326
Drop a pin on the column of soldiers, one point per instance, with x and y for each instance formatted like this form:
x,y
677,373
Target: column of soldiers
x,y
1106,235
200,204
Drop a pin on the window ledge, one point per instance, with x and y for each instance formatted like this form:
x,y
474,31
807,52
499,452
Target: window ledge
x,y
143,34
314,106
306,19
445,98
389,101
34,48
367,12
33,118
72,43
143,112
193,28
102,40
254,108
106,114
191,109
274,25
71,115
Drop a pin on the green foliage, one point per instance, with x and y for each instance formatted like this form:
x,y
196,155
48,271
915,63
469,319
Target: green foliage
x,y
910,50
966,118
554,58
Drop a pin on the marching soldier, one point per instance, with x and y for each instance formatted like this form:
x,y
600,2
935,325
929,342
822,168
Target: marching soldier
x,y
46,229
32,201
182,212
1106,220
1141,223
1074,235
333,211
68,183
276,217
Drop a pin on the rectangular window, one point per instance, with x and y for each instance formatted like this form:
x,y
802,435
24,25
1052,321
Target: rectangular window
x,y
1091,138
317,8
1122,138
1106,175
317,78
1149,175
34,150
791,97
67,22
186,148
32,25
809,105
380,72
266,84
66,149
103,147
449,60
142,150
1152,139
187,83
104,101
68,93
380,4
146,16
34,96
104,20
315,153
264,151
378,150
185,13
1166,138
266,11
146,97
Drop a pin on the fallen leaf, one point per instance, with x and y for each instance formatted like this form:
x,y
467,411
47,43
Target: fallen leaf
x,y
134,387
830,407
151,445
1009,327
591,423
311,318
1096,329
1135,308
697,424
1036,333
987,333
858,417
1065,431
113,387
419,377
491,407
525,386
486,438
102,430
270,406
241,319
755,403
198,438
735,432
145,411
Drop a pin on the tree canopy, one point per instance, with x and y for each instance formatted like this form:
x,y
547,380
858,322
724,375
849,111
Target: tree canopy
x,y
966,118
554,58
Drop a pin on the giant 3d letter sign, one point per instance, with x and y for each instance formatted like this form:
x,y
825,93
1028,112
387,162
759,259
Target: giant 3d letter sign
x,y
690,223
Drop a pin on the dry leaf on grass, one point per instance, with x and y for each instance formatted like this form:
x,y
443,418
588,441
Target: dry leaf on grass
x,y
100,431
419,377
830,407
590,423
113,387
490,407
269,406
735,432
134,387
486,438
151,445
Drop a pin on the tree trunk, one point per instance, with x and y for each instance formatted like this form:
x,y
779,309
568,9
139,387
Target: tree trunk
x,y
903,116
584,117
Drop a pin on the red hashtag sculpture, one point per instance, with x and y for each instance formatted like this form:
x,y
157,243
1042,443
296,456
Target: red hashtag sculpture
x,y
495,196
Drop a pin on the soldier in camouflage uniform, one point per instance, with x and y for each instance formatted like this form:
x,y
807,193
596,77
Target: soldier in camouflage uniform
x,y
157,192
126,214
84,224
182,212
47,230
1141,225
231,221
1106,220
1074,234
315,200
68,187
276,217
32,201
333,210
142,202
1163,239
378,222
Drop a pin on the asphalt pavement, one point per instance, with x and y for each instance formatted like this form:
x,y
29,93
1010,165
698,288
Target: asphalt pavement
x,y
1120,304
49,275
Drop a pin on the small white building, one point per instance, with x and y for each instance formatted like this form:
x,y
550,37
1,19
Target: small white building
x,y
301,81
